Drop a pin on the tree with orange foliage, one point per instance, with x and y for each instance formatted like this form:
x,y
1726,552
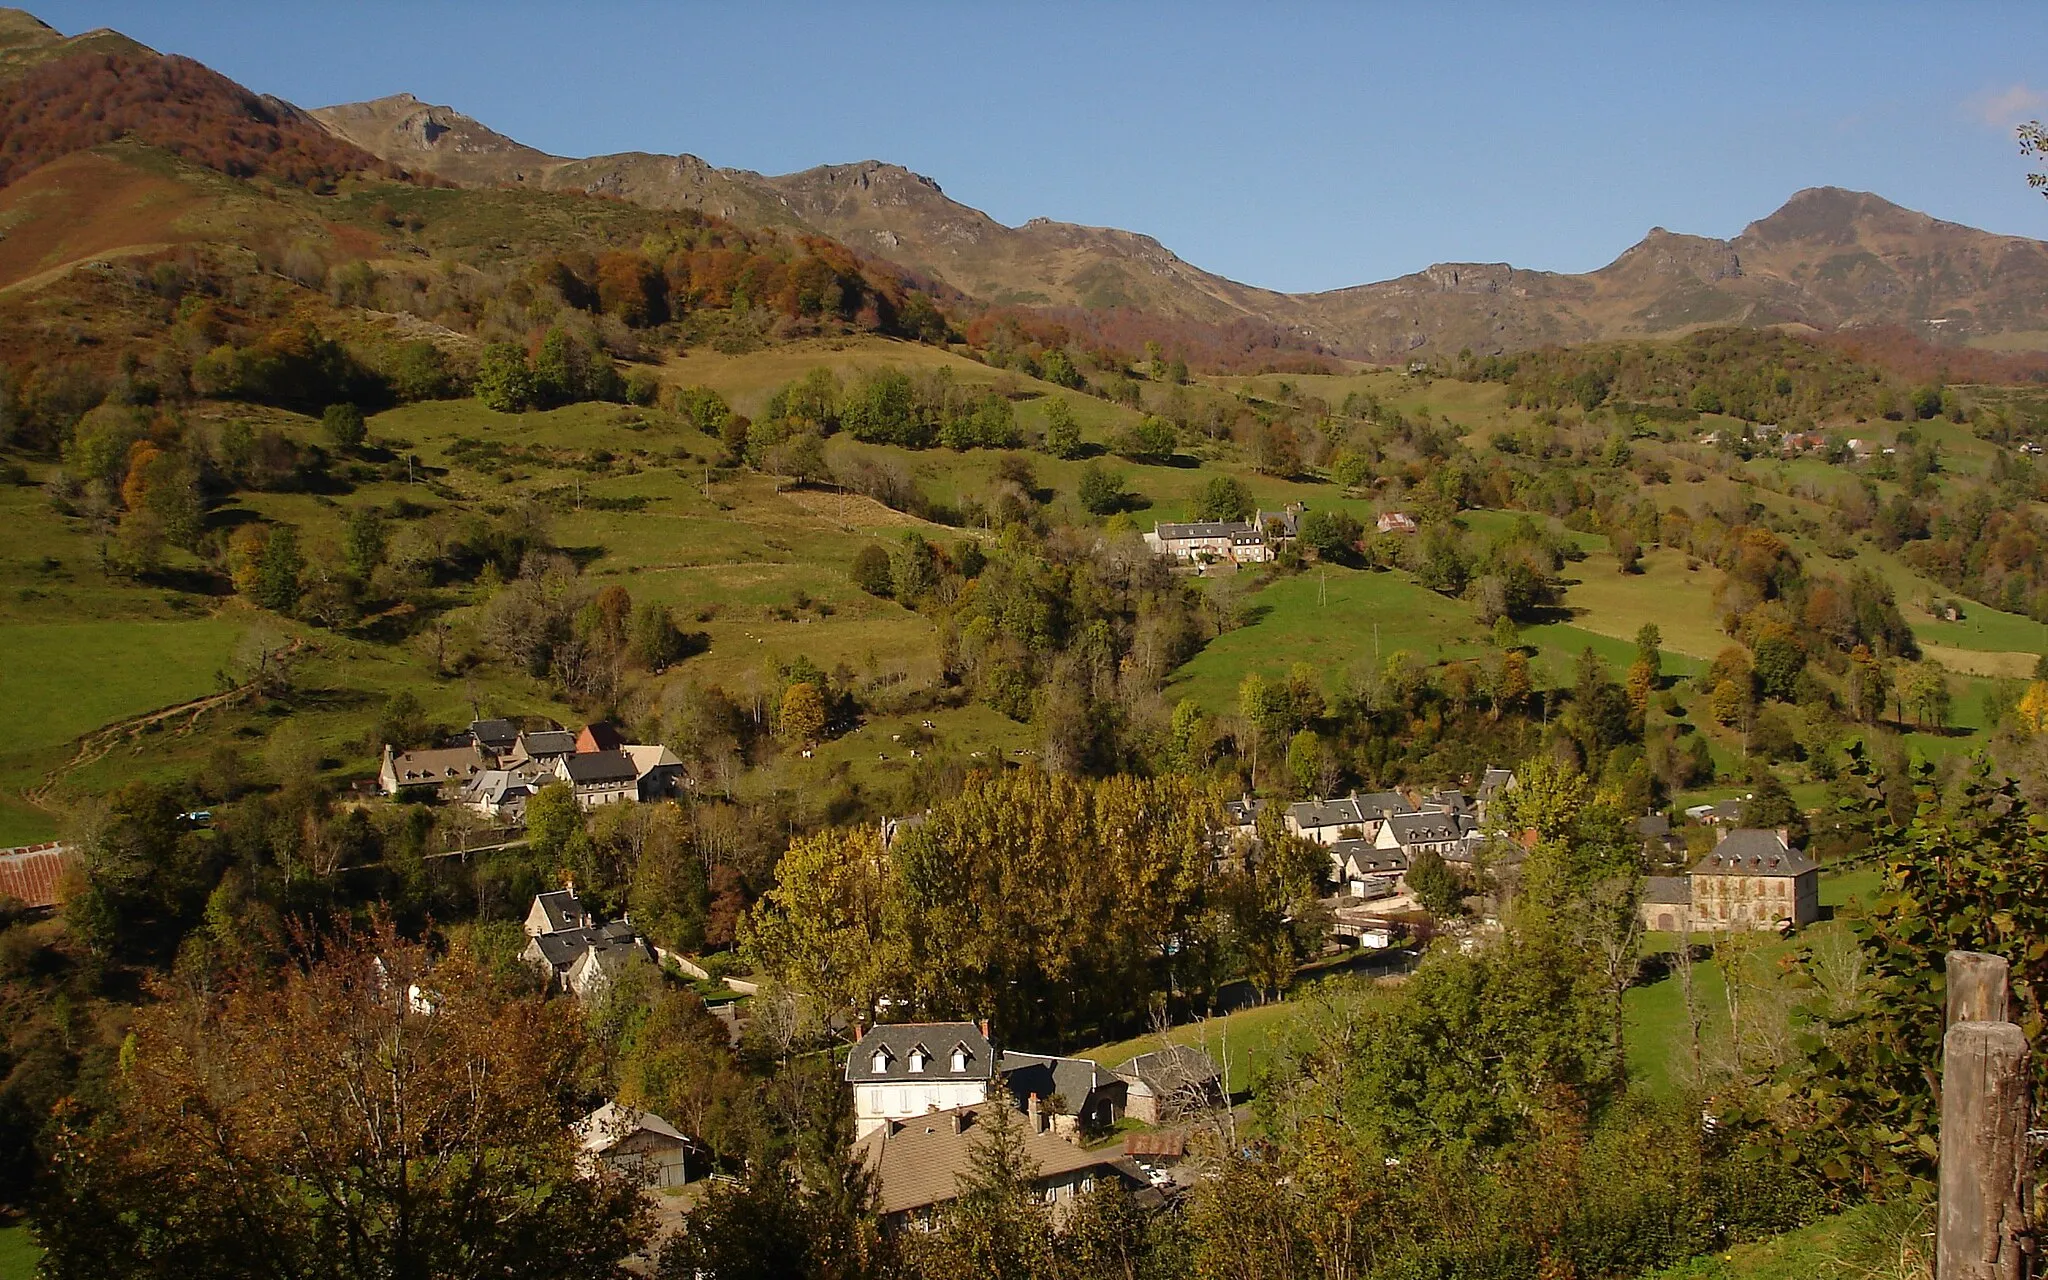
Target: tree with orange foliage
x,y
372,1110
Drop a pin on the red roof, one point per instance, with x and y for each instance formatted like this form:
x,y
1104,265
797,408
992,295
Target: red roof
x,y
31,874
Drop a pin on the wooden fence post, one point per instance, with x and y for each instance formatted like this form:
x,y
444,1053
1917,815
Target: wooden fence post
x,y
1977,988
1983,1151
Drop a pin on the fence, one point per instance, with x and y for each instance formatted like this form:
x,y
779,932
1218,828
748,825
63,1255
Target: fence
x,y
1982,1231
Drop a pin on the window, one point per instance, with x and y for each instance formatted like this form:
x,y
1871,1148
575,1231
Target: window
x,y
918,1058
881,1061
960,1058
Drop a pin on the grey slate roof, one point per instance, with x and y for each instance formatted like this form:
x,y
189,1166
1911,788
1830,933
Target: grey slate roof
x,y
548,742
1326,813
593,767
1174,1067
1653,826
562,948
1379,804
1243,812
493,735
1667,891
562,908
1425,828
1752,852
1074,1079
1203,529
938,1039
1370,859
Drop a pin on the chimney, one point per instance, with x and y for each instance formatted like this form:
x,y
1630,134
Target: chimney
x,y
1720,832
958,1121
983,1024
1785,836
1037,1118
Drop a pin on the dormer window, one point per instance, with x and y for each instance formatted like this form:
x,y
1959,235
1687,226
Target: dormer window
x,y
919,1058
881,1061
959,1058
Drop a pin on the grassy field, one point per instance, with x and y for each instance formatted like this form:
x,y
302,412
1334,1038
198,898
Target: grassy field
x,y
1657,1027
18,1254
1869,1242
1334,619
1242,1043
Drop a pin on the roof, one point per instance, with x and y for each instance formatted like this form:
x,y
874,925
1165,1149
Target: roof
x,y
1653,826
1203,529
1380,804
32,874
1073,1079
1157,1142
919,1162
548,742
563,909
495,786
1748,851
1667,891
564,947
1174,1067
938,1039
437,766
1495,781
493,733
647,758
612,1124
1369,858
1424,828
604,735
592,767
1326,813
1289,521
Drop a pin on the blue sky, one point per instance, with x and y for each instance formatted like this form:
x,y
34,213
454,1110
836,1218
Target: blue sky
x,y
1304,146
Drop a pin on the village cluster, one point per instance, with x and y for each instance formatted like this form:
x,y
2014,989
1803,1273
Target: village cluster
x,y
926,1093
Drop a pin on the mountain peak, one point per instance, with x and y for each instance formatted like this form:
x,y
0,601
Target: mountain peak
x,y
1829,215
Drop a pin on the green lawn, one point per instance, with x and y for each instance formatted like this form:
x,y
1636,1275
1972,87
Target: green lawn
x,y
62,679
1241,1042
18,1254
1334,619
1655,1021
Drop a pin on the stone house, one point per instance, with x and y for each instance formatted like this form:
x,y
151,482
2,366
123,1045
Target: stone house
x,y
1166,1084
431,772
1754,880
1070,1095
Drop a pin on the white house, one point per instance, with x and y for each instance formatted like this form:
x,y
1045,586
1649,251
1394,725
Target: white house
x,y
600,778
908,1069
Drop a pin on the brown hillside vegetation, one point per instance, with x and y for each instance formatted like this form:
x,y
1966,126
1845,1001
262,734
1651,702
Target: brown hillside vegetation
x,y
85,205
76,103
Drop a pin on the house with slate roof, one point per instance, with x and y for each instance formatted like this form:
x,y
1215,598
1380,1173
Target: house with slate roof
x,y
1236,540
600,778
544,746
429,773
1167,1083
1667,903
1090,1098
1439,832
1755,880
577,952
908,1069
493,737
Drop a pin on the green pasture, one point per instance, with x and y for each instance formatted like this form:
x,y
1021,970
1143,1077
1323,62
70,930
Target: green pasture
x,y
19,1254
